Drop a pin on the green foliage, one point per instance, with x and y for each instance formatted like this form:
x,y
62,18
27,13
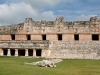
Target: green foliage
x,y
15,66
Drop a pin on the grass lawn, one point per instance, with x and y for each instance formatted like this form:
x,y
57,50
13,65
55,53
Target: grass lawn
x,y
15,66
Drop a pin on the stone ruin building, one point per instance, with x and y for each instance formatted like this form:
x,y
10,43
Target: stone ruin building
x,y
52,39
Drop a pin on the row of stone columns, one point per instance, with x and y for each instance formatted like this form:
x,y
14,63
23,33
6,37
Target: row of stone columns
x,y
26,52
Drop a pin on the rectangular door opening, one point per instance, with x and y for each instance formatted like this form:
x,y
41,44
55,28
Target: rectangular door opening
x,y
28,37
12,52
21,52
30,52
38,52
76,36
95,37
59,36
43,37
5,51
13,37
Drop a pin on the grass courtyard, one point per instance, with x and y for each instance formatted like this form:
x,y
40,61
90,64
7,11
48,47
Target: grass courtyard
x,y
15,66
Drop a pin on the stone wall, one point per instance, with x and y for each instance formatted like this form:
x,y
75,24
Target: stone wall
x,y
68,37
11,29
58,26
5,37
24,44
36,37
21,37
78,50
85,37
52,37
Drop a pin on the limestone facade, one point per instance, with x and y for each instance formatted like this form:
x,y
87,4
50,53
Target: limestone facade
x,y
52,39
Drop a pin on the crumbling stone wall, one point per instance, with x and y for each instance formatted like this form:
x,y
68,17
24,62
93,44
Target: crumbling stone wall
x,y
11,29
77,49
58,26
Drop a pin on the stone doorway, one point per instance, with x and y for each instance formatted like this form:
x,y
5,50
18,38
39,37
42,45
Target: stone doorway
x,y
12,52
30,52
38,52
5,51
21,52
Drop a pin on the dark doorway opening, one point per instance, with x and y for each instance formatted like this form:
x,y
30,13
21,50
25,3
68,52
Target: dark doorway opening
x,y
12,52
30,52
59,36
13,37
5,51
28,37
21,52
43,37
95,37
38,52
76,36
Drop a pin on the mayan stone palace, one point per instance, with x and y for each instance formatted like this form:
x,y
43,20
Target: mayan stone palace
x,y
52,39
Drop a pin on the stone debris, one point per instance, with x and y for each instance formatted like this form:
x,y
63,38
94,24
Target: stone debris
x,y
45,63
56,60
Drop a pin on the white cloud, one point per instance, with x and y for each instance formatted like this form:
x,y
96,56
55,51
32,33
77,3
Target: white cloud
x,y
17,11
47,15
38,4
83,17
14,13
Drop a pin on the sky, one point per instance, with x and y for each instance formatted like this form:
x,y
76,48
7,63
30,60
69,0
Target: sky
x,y
16,11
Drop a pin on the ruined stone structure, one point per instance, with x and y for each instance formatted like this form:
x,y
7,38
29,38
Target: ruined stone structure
x,y
52,39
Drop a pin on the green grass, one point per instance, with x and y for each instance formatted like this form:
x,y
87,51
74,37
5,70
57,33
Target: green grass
x,y
15,66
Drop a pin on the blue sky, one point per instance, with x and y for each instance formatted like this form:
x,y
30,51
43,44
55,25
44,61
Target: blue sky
x,y
15,11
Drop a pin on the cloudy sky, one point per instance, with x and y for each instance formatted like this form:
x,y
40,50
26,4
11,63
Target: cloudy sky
x,y
15,11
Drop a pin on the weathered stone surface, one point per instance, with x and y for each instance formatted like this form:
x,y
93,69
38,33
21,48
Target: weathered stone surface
x,y
77,49
11,29
57,26
24,44
45,63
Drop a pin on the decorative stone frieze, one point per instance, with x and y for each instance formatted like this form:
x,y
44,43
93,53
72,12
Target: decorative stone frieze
x,y
25,44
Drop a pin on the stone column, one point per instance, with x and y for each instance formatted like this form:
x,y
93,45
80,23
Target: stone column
x,y
1,52
8,53
34,53
16,52
43,53
26,52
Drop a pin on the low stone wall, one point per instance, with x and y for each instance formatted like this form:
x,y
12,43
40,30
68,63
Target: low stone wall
x,y
78,50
